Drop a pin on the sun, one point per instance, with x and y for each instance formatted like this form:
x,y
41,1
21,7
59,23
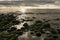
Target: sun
x,y
23,10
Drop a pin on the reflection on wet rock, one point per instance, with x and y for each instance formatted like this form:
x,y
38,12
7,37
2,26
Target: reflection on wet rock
x,y
42,26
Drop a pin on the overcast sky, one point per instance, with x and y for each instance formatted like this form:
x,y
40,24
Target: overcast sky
x,y
30,2
37,4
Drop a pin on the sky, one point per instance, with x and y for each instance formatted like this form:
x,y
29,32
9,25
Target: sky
x,y
29,2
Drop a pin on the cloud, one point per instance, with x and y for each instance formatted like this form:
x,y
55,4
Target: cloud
x,y
28,2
